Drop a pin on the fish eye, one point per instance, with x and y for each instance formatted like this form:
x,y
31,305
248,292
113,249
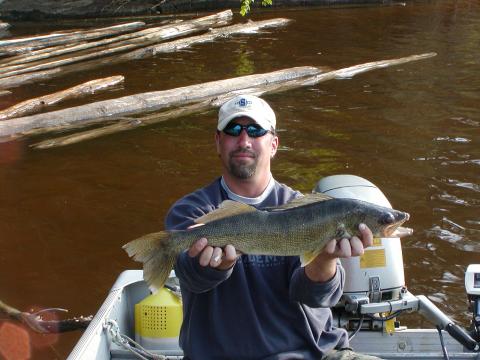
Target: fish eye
x,y
387,219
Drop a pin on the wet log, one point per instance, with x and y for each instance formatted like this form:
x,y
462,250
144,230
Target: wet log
x,y
130,123
37,322
217,101
168,32
36,55
151,101
154,101
149,51
40,103
124,124
247,28
14,81
21,45
33,55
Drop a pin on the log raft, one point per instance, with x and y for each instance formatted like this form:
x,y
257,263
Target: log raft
x,y
164,33
22,45
125,124
49,52
149,51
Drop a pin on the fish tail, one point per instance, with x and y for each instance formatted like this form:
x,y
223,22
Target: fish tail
x,y
157,254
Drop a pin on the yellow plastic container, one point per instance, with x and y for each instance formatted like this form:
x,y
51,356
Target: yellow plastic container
x,y
158,319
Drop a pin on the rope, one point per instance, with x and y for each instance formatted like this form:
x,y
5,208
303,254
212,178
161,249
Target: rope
x,y
359,327
129,344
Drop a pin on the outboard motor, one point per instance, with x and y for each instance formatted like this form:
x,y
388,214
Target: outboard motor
x,y
375,282
378,275
472,286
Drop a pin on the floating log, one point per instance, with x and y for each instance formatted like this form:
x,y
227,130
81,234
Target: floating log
x,y
129,123
216,101
145,102
154,101
250,27
167,32
171,46
18,80
137,36
35,105
36,54
37,323
246,28
124,124
20,45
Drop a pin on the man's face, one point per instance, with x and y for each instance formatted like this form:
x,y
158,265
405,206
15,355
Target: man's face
x,y
244,157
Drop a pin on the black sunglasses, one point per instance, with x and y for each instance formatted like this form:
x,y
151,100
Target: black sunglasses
x,y
253,130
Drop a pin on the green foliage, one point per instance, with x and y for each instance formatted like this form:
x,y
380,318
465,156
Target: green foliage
x,y
245,5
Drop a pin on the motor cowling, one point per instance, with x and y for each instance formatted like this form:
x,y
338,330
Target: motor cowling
x,y
378,275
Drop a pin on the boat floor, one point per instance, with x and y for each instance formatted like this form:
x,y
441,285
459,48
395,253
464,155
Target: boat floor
x,y
130,288
405,344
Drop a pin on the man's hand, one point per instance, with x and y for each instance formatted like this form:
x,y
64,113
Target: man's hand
x,y
215,257
345,248
324,266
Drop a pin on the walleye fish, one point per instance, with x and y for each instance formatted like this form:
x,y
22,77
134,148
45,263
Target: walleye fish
x,y
301,227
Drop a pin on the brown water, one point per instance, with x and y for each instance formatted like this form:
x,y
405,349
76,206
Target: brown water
x,y
413,130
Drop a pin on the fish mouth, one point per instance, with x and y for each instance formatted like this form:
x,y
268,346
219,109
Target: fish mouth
x,y
395,229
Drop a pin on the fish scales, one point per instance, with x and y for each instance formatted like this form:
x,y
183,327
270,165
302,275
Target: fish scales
x,y
282,232
303,226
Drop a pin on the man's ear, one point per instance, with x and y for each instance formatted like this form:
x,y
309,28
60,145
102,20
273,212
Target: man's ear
x,y
275,143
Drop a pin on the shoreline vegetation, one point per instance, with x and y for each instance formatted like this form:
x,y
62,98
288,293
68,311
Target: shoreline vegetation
x,y
15,10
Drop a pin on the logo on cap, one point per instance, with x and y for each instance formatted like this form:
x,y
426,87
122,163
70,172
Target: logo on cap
x,y
243,102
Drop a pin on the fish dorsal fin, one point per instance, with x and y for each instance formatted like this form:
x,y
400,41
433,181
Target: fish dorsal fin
x,y
304,200
226,209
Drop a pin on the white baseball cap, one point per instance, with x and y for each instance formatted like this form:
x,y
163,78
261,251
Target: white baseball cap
x,y
249,106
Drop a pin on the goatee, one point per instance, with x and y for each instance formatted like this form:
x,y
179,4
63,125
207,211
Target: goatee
x,y
242,170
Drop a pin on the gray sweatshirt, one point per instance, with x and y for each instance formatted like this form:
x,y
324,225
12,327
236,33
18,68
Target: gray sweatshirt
x,y
264,307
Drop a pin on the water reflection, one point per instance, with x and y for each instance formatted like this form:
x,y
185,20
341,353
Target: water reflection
x,y
10,152
245,65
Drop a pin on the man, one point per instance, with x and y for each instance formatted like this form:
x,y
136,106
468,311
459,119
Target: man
x,y
250,306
